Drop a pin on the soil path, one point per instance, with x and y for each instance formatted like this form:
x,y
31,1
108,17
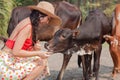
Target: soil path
x,y
73,72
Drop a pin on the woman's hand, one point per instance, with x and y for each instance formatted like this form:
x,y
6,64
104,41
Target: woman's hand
x,y
44,55
37,46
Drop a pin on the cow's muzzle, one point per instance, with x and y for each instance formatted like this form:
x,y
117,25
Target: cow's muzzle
x,y
48,47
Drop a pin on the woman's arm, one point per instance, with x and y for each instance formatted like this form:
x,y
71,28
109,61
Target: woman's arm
x,y
22,36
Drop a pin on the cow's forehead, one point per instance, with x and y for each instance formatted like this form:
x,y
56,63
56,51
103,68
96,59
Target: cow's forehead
x,y
62,31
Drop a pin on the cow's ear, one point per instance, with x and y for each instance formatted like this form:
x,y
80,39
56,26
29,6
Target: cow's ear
x,y
75,33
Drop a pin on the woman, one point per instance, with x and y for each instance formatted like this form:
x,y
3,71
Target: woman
x,y
21,58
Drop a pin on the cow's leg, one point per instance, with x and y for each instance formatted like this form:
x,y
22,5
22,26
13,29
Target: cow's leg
x,y
84,68
64,65
115,61
96,66
88,59
117,68
114,50
89,65
119,62
118,57
79,60
115,64
85,65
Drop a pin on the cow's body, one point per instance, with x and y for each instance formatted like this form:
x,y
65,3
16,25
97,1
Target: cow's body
x,y
86,39
18,14
70,15
114,41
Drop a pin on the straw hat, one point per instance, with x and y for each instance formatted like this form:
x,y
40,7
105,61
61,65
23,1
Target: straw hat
x,y
48,9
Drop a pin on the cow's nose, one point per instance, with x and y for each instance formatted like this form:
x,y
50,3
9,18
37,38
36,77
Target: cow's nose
x,y
46,46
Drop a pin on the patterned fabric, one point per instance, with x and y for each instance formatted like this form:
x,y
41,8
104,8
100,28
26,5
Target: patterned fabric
x,y
15,68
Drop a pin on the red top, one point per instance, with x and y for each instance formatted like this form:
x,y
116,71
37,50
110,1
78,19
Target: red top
x,y
27,44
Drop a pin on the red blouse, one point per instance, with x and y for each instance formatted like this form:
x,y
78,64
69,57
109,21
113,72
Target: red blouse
x,y
27,44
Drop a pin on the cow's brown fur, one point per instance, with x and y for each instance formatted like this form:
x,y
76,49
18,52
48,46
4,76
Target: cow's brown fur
x,y
70,15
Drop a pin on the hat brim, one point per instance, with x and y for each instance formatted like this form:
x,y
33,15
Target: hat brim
x,y
55,20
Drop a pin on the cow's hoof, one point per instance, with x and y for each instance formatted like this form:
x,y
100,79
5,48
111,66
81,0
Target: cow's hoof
x,y
118,70
113,75
86,78
113,78
83,78
93,78
93,74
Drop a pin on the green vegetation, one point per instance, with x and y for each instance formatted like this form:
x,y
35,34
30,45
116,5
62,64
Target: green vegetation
x,y
107,6
6,7
5,10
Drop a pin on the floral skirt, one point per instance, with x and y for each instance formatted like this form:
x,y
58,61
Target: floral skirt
x,y
16,68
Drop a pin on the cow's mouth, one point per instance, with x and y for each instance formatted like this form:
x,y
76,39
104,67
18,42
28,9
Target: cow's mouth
x,y
49,49
53,49
46,46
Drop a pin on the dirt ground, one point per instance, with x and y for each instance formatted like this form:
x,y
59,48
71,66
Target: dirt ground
x,y
73,72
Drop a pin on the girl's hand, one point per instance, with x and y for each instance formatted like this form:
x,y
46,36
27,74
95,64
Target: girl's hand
x,y
44,54
37,46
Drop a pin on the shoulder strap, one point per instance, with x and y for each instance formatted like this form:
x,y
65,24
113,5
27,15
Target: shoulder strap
x,y
20,30
21,25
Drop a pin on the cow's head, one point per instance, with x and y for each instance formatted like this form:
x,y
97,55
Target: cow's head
x,y
62,40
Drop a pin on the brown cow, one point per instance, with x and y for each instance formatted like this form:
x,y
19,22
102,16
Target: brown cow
x,y
70,15
114,41
18,14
